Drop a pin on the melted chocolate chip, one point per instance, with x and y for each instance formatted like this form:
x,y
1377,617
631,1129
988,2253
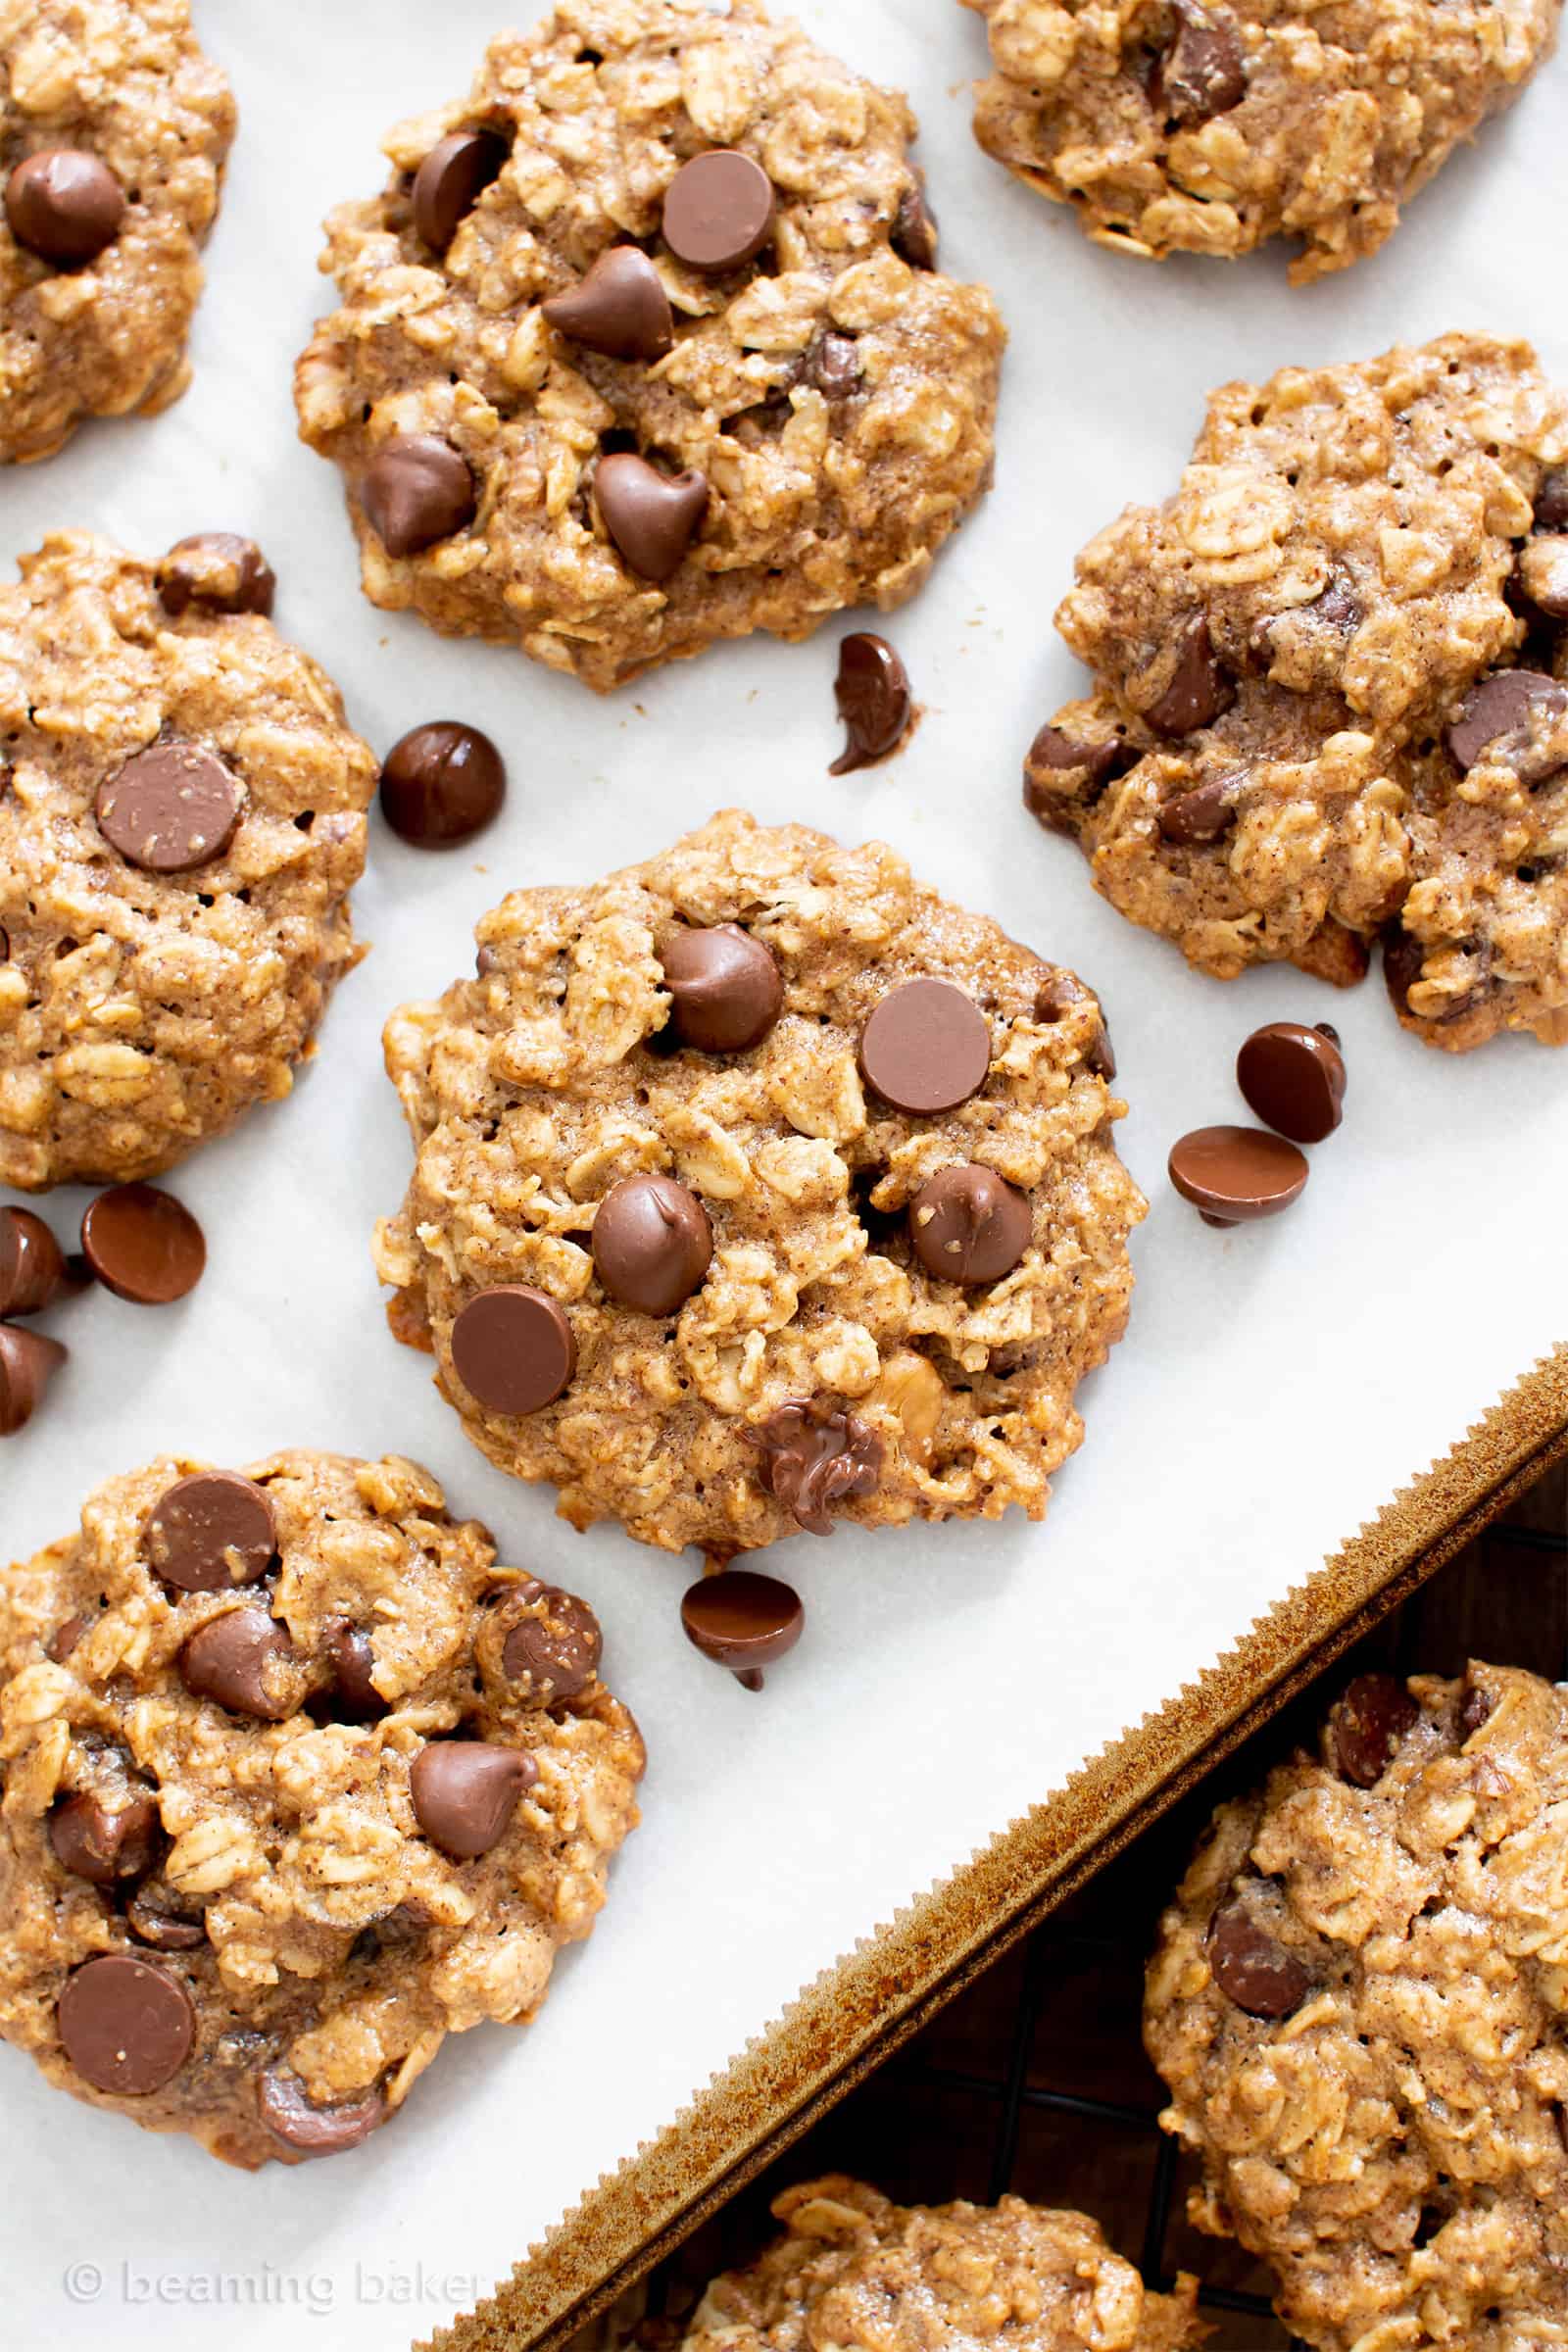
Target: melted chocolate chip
x,y
815,1457
873,693
1204,814
219,571
305,2130
1199,689
913,235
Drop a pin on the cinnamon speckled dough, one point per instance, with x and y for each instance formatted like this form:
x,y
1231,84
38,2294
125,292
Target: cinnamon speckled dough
x,y
534,1088
1291,638
853,2267
143,1013
1394,2145
1178,125
335,1944
816,502
124,81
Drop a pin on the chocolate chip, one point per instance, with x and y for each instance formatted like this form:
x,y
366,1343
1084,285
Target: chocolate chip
x,y
27,1364
465,1792
719,210
172,808
1252,1969
234,1660
127,2026
1293,1079
1198,690
512,1349
549,1645
725,990
152,1919
144,1245
1339,607
449,181
1202,73
873,693
89,1839
925,1047
442,783
211,1531
352,1658
32,1265
1403,961
293,2117
1368,1724
1237,1174
1513,716
1474,1708
913,235
65,1638
65,206
653,518
815,1456
1551,501
414,491
832,367
1057,753
621,307
219,571
1204,814
742,1620
1544,575
652,1243
969,1225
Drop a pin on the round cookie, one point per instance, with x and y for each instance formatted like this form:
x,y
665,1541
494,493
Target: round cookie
x,y
853,2267
1326,708
731,1017
114,128
645,345
1356,2004
1196,126
182,815
299,1780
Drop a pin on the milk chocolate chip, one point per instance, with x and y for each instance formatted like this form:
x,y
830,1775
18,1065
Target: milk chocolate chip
x,y
64,205
1237,1174
1294,1079
305,2130
653,518
211,1531
1252,1969
414,491
725,989
743,1621
172,808
126,2026
449,181
144,1245
719,210
33,1264
1367,1726
27,1364
465,1792
926,1048
219,571
512,1349
969,1225
652,1243
620,309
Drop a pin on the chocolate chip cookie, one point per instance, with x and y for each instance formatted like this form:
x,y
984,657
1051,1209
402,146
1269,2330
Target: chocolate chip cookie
x,y
1197,126
1357,2006
853,2267
298,1780
114,128
758,1186
645,345
1328,701
183,815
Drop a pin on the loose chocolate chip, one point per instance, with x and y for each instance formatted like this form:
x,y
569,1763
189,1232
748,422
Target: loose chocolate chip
x,y
65,206
742,1620
449,181
814,1457
873,693
211,1531
1237,1174
725,990
218,570
1551,501
414,491
27,1364
913,234
512,1349
1544,575
969,1225
1475,1707
465,1792
105,1847
1198,690
144,1245
152,1919
719,210
65,1638
653,518
442,783
1293,1079
832,367
1056,753
1513,716
1204,814
126,2026
1203,73
352,1658
1252,1969
551,1644
925,1047
652,1243
621,307
233,1660
1368,1724
32,1265
171,809
307,2129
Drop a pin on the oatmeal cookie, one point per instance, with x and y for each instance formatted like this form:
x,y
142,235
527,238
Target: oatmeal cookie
x,y
183,815
114,128
755,1185
1357,2007
854,2269
298,1780
645,345
1197,126
1326,698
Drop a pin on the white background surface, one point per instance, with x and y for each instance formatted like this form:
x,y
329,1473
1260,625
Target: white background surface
x,y
1275,1388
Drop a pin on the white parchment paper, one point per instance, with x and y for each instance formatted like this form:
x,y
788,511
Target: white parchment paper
x,y
1274,1389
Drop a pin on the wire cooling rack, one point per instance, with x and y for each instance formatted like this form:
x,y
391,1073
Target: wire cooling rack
x,y
1034,2079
